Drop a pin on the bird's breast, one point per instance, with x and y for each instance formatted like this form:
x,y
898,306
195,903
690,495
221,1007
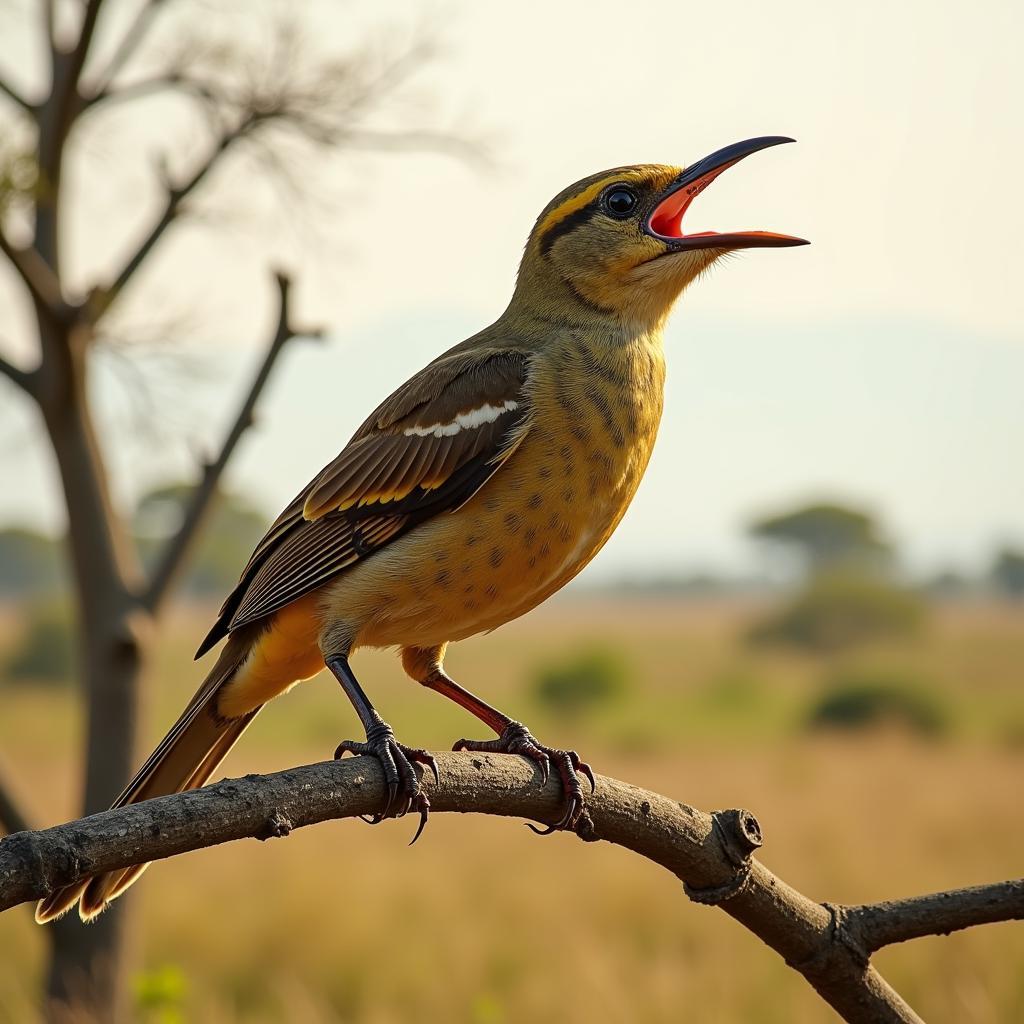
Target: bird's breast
x,y
539,520
596,415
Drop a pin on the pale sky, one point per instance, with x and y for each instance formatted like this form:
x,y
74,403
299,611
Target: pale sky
x,y
882,364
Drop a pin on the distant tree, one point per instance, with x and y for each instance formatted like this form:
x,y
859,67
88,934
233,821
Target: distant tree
x,y
826,536
1007,572
265,96
838,610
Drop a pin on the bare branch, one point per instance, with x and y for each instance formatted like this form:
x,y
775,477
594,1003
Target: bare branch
x,y
38,278
16,97
49,9
169,81
710,853
57,113
85,36
103,298
174,554
12,819
323,103
128,46
875,925
26,380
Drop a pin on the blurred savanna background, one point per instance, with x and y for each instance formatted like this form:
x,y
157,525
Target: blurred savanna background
x,y
814,609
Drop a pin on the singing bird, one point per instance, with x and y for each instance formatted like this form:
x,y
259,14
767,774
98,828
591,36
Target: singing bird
x,y
479,488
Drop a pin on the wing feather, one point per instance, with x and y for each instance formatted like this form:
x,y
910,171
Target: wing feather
x,y
426,450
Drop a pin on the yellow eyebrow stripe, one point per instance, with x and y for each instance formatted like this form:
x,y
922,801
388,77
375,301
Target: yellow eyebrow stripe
x,y
581,199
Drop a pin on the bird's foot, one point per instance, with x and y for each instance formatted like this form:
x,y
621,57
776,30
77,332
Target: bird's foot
x,y
396,760
516,739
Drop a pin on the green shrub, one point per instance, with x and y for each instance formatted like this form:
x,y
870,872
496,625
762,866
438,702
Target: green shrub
x,y
582,683
46,651
841,610
866,701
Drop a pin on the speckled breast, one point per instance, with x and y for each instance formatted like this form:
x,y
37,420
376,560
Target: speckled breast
x,y
544,515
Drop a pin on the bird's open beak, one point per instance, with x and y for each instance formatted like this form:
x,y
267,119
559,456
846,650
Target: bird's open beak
x,y
666,222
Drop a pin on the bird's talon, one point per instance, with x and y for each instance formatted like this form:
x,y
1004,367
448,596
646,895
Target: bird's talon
x,y
516,739
423,806
540,831
396,762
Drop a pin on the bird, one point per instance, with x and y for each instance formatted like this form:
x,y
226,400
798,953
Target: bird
x,y
475,491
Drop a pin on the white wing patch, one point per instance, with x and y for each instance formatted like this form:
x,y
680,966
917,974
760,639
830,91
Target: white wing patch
x,y
464,421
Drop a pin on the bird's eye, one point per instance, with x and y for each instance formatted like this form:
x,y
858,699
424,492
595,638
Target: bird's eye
x,y
620,201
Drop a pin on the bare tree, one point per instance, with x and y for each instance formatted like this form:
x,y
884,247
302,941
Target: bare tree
x,y
830,944
249,102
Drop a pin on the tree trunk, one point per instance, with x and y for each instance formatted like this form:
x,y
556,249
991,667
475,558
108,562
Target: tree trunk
x,y
87,966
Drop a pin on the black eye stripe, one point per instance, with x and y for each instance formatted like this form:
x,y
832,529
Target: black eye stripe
x,y
584,213
567,224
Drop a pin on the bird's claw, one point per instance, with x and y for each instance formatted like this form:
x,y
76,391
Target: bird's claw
x,y
396,761
516,739
573,810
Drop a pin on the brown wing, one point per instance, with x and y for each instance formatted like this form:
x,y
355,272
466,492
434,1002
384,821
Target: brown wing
x,y
426,450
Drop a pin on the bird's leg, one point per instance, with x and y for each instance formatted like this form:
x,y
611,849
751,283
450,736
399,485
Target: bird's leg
x,y
395,758
515,738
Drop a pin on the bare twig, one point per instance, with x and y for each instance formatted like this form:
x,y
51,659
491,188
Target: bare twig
x,y
875,925
176,195
173,556
85,36
16,97
137,89
128,46
710,853
38,278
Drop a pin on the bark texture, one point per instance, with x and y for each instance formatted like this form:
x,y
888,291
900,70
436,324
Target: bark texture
x,y
710,853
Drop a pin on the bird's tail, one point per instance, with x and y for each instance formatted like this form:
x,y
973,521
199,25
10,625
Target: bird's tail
x,y
185,759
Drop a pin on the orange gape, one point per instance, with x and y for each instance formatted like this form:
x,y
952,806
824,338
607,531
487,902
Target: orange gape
x,y
475,491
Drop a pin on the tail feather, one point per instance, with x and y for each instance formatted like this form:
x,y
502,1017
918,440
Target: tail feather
x,y
185,759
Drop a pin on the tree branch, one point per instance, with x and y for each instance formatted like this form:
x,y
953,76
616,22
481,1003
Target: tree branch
x,y
26,380
176,195
81,51
875,925
710,853
47,7
144,87
38,278
16,97
173,556
126,48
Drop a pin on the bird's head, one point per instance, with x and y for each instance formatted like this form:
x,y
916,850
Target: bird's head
x,y
614,245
